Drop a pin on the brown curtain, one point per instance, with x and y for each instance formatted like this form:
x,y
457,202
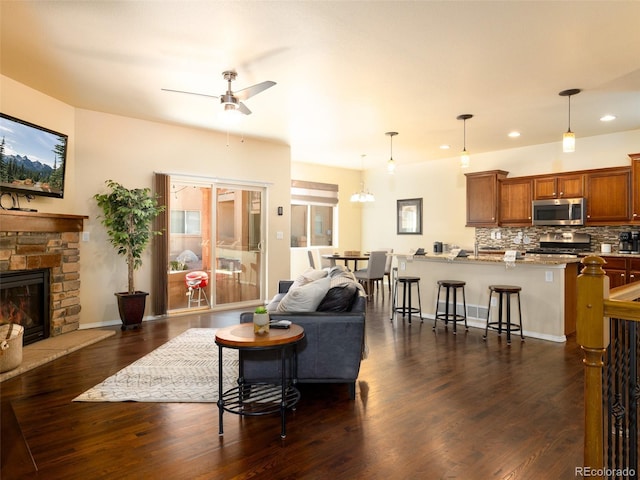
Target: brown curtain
x,y
160,248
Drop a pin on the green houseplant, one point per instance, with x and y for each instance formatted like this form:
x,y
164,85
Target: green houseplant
x,y
260,321
128,215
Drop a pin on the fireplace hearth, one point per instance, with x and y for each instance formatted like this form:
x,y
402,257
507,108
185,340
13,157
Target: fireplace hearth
x,y
24,299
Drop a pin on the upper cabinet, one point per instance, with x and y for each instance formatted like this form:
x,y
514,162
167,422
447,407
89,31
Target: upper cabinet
x,y
635,190
612,195
482,198
608,195
558,186
515,201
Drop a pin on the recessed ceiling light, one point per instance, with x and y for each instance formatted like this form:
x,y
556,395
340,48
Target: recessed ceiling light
x,y
514,134
607,118
445,147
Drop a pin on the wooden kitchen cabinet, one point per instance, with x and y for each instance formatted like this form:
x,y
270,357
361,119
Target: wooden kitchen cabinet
x,y
515,201
633,274
635,187
558,186
608,195
622,270
616,270
482,198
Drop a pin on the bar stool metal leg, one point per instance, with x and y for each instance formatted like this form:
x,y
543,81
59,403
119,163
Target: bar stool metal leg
x,y
504,293
450,313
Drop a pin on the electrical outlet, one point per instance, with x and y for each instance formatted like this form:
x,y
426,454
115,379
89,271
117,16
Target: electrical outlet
x,y
403,266
498,235
279,235
494,302
548,276
85,236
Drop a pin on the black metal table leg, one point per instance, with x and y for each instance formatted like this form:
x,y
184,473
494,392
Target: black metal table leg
x,y
220,400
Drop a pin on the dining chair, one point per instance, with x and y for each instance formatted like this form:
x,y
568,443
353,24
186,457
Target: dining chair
x,y
387,265
324,261
374,271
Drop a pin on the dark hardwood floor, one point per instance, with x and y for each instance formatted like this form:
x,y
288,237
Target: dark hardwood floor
x,y
428,405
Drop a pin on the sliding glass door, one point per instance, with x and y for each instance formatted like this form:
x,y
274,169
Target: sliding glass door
x,y
214,245
238,246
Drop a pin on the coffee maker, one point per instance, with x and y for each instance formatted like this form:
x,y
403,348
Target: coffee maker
x,y
625,244
635,242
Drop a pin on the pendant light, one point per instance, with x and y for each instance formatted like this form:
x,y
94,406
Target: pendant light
x,y
569,138
363,196
464,156
391,165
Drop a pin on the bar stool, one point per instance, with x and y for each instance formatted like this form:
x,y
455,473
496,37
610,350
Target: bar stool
x,y
451,288
407,284
504,293
196,282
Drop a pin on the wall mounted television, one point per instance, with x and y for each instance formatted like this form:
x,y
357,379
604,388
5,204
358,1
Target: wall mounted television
x,y
32,161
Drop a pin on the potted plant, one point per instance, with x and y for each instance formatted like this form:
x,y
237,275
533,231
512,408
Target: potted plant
x,y
260,321
128,215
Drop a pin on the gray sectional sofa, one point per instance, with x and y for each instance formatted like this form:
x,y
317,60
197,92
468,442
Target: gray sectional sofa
x,y
334,341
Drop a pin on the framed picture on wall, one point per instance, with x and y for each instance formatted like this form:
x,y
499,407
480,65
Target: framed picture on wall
x,y
409,217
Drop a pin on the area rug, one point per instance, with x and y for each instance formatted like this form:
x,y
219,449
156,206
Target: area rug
x,y
185,369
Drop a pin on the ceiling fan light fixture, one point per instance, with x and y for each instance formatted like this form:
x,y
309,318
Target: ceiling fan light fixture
x,y
568,137
391,165
465,160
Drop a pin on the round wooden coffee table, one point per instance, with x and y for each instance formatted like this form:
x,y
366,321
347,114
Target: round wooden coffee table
x,y
259,398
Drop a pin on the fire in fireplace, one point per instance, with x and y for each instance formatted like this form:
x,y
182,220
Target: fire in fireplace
x,y
24,299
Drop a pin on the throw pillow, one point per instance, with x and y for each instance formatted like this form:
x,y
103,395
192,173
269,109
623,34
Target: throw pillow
x,y
308,276
338,299
305,298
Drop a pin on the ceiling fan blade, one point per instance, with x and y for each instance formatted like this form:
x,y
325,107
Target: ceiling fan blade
x,y
249,92
243,108
190,93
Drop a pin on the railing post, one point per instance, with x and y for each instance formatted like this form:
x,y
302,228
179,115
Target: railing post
x,y
592,334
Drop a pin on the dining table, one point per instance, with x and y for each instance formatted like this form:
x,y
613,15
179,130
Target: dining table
x,y
346,259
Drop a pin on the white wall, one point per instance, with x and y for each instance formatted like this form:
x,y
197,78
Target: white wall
x,y
442,186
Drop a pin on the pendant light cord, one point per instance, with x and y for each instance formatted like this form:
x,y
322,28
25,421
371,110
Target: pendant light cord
x,y
464,135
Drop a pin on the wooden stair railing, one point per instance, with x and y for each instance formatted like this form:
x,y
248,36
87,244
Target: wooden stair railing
x,y
596,304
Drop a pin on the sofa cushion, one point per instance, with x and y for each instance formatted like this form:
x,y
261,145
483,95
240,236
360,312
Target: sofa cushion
x,y
338,299
272,306
305,298
308,276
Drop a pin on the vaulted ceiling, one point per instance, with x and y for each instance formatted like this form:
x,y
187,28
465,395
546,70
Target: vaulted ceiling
x,y
346,72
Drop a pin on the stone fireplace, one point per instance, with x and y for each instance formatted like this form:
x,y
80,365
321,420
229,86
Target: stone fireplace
x,y
32,242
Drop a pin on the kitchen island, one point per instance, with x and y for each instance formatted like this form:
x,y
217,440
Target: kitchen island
x,y
548,284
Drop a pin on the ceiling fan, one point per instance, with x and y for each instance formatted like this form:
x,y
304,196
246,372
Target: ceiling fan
x,y
233,100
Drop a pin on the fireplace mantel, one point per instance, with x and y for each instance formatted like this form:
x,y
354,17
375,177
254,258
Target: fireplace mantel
x,y
23,221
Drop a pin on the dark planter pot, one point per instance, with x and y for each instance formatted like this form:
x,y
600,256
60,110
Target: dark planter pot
x,y
131,307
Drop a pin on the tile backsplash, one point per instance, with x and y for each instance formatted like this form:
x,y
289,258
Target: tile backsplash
x,y
524,238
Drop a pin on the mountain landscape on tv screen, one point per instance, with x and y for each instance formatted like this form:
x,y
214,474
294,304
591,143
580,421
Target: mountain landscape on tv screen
x,y
22,172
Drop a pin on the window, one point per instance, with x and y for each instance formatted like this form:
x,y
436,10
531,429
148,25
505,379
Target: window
x,y
186,222
313,211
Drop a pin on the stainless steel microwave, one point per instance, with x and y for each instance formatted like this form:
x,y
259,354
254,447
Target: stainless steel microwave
x,y
559,211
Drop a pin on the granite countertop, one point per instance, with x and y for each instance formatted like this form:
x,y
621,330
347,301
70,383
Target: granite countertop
x,y
531,259
612,254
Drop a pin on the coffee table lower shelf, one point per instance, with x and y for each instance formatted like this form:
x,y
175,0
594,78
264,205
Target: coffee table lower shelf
x,y
258,399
